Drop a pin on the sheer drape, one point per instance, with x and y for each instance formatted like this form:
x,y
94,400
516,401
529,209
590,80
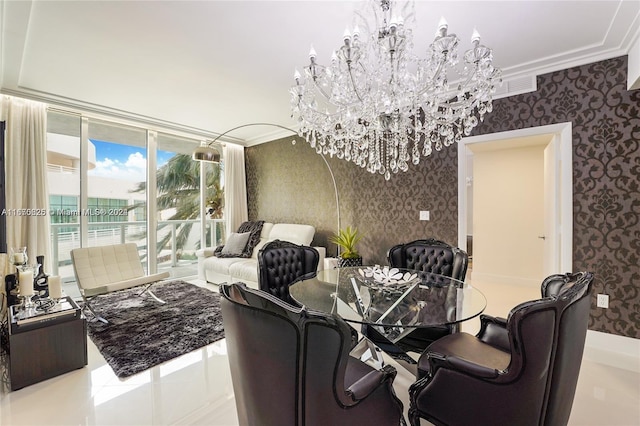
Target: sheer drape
x,y
235,187
27,192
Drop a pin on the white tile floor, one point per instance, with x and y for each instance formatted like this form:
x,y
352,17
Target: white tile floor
x,y
195,389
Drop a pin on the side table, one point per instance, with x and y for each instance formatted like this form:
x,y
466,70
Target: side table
x,y
43,345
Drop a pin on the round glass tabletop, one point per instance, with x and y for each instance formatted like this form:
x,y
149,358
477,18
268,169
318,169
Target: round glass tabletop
x,y
386,296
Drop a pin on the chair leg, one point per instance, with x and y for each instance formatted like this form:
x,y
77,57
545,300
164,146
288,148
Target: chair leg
x,y
147,290
87,305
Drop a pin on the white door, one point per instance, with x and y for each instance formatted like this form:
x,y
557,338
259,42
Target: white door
x,y
508,211
558,202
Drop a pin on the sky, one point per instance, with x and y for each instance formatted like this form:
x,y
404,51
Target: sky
x,y
123,161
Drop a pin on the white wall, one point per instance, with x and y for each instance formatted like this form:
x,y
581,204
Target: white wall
x,y
508,200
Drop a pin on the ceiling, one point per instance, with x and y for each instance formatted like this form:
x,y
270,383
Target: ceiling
x,y
208,66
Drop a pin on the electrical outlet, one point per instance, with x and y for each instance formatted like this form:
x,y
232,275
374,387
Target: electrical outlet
x,y
602,301
424,215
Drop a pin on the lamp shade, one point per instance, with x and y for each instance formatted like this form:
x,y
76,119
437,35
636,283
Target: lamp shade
x,y
206,153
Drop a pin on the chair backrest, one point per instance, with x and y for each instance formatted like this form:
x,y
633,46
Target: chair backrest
x,y
556,283
280,263
571,331
100,266
262,343
430,255
547,342
291,366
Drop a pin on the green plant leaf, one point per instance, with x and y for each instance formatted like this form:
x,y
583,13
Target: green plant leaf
x,y
347,239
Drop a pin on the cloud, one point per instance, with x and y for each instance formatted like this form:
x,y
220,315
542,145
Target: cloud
x,y
132,169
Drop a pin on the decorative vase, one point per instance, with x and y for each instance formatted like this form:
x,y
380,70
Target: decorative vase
x,y
41,280
18,256
25,284
11,289
352,261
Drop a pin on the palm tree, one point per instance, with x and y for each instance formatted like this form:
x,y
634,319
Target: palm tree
x,y
178,183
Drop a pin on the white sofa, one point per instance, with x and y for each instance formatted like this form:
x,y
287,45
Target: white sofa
x,y
218,270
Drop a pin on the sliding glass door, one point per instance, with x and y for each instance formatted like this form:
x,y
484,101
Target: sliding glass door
x,y
111,183
178,205
63,176
116,186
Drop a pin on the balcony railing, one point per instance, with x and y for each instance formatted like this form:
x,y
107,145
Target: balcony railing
x,y
66,236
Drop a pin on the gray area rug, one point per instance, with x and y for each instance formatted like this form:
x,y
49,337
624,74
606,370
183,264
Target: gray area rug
x,y
143,333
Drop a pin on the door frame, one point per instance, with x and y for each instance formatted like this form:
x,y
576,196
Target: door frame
x,y
563,201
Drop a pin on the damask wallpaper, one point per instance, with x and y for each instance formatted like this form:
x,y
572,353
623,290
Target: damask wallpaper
x,y
290,183
606,176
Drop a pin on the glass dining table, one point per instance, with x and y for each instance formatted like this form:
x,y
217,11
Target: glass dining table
x,y
392,301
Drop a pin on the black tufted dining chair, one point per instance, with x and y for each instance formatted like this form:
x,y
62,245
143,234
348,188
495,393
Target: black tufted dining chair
x,y
291,366
430,256
280,263
522,370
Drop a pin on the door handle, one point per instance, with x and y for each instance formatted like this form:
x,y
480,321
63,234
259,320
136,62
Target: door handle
x,y
542,237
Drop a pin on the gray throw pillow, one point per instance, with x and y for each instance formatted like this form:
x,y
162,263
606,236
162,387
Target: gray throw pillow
x,y
236,243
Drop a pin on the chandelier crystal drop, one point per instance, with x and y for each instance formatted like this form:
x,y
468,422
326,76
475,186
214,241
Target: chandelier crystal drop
x,y
382,107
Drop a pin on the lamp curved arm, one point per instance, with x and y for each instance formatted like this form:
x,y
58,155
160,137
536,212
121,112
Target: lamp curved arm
x,y
333,178
226,132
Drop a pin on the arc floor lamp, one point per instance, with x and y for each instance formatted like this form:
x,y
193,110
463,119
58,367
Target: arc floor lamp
x,y
207,152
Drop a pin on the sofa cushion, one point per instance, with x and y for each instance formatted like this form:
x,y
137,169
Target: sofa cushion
x,y
236,243
255,230
294,233
244,271
266,230
221,264
257,248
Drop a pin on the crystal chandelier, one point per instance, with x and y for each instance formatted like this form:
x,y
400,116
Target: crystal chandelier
x,y
379,105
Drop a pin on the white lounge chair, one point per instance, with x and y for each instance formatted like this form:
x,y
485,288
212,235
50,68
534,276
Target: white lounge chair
x,y
105,269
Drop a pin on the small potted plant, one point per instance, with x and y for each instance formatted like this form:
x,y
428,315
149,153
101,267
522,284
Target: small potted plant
x,y
347,239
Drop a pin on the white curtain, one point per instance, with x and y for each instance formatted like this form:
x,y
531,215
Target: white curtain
x,y
27,192
235,187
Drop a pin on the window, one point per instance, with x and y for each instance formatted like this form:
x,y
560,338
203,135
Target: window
x,y
113,208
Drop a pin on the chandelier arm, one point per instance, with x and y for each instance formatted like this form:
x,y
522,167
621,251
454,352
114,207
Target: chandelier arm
x,y
322,92
468,102
433,77
315,80
392,77
353,84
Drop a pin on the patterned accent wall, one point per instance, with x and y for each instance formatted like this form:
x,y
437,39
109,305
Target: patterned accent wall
x,y
290,183
606,176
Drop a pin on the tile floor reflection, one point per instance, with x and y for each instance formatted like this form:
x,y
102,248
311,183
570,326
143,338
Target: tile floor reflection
x,y
196,389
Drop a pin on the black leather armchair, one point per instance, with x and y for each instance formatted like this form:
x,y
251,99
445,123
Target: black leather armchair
x,y
430,256
522,370
291,366
280,263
